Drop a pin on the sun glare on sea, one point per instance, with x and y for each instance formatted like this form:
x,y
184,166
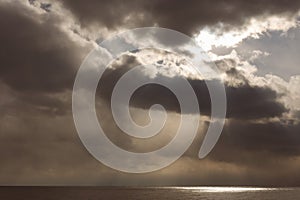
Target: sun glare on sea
x,y
225,189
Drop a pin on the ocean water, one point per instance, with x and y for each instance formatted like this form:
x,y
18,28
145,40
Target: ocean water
x,y
151,193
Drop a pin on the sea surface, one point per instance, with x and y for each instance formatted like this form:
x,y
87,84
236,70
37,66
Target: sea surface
x,y
153,193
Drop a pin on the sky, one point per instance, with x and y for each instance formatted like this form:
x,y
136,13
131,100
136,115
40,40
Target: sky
x,y
254,44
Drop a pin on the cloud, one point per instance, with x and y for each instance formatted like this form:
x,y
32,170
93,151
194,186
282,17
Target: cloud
x,y
43,44
36,55
214,37
239,97
187,17
282,49
254,144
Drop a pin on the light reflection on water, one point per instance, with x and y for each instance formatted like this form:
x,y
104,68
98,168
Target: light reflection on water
x,y
149,193
227,189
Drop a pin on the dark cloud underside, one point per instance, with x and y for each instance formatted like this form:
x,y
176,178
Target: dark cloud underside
x,y
244,102
185,16
35,55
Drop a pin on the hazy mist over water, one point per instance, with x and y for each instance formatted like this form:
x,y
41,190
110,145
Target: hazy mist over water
x,y
135,193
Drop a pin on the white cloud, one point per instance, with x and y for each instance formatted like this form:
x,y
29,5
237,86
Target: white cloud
x,y
290,90
209,37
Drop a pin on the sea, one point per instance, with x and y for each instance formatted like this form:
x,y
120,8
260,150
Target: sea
x,y
149,193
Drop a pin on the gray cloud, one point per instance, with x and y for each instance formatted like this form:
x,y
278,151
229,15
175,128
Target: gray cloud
x,y
184,16
244,101
282,50
38,140
35,54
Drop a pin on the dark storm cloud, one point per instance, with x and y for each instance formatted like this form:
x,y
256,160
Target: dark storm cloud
x,y
244,101
258,145
35,55
253,102
184,16
38,140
